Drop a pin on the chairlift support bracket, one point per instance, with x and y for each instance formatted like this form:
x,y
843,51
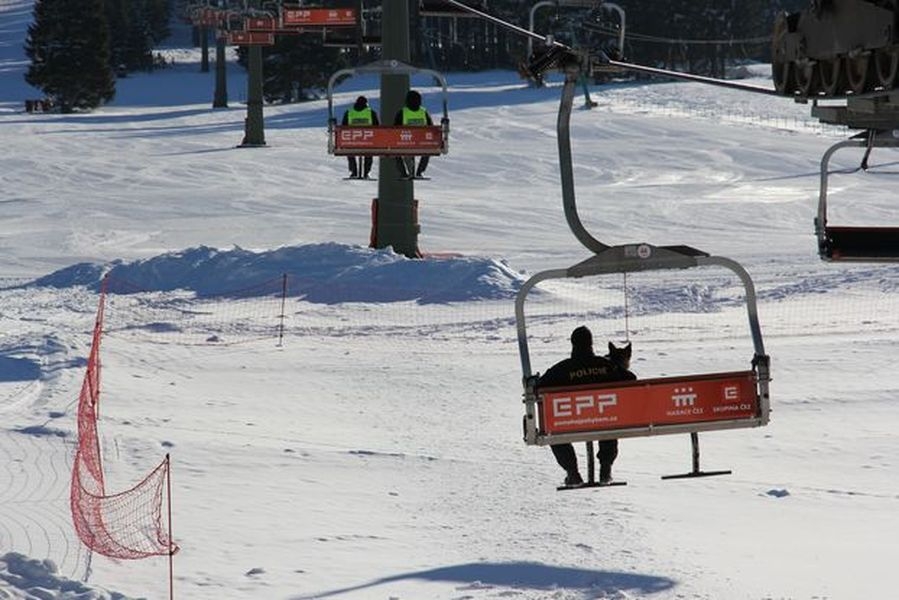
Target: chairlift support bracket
x,y
387,140
855,244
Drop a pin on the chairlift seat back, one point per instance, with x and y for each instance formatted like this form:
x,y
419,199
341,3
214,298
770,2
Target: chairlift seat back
x,y
383,140
711,401
863,244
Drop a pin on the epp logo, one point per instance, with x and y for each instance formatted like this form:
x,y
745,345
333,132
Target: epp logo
x,y
356,135
405,135
570,406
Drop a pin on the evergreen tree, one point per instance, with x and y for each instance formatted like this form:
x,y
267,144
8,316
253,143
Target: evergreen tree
x,y
157,14
130,44
68,44
296,67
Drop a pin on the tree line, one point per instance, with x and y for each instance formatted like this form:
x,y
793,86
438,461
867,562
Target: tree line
x,y
78,47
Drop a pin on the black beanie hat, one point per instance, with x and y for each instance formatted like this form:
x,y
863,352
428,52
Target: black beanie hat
x,y
581,339
413,99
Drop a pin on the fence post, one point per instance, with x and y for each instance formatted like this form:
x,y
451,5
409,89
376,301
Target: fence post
x,y
283,302
168,485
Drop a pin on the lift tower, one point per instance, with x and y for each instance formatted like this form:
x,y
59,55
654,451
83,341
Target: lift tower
x,y
396,222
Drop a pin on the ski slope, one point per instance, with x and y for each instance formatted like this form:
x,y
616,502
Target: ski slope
x,y
374,451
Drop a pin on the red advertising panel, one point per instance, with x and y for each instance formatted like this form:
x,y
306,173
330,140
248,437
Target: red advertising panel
x,y
651,402
388,140
209,17
320,17
260,24
250,38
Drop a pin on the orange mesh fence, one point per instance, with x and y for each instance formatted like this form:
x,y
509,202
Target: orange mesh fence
x,y
124,525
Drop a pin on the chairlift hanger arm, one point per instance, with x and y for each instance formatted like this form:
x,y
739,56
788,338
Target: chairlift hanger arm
x,y
566,169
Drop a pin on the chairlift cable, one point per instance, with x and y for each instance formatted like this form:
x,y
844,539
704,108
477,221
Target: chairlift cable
x,y
617,63
548,39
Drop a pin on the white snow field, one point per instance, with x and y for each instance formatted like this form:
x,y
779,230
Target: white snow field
x,y
372,447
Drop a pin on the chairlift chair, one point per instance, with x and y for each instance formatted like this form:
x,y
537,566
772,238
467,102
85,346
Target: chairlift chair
x,y
666,405
387,140
855,244
595,412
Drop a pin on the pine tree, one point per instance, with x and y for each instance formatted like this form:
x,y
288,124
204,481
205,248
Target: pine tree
x,y
296,67
68,44
129,35
158,13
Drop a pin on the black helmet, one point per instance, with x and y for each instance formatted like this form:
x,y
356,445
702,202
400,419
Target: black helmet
x,y
361,102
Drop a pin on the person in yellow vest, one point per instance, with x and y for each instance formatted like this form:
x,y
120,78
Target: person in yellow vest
x,y
414,114
360,114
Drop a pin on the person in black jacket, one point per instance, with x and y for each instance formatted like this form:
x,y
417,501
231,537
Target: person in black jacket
x,y
415,115
360,114
584,367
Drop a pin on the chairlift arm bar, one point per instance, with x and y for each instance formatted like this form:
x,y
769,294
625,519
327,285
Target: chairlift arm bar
x,y
752,310
531,18
615,8
526,287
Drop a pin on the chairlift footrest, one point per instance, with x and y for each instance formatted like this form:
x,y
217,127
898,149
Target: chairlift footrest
x,y
693,474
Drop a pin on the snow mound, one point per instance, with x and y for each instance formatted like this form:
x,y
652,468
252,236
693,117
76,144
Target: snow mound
x,y
326,273
23,578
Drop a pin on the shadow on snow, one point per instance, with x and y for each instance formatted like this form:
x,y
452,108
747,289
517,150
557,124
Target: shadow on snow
x,y
593,584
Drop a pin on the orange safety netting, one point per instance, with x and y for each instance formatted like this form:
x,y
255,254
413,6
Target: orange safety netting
x,y
124,525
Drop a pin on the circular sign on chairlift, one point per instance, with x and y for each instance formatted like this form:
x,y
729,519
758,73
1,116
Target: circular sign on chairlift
x,y
644,251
